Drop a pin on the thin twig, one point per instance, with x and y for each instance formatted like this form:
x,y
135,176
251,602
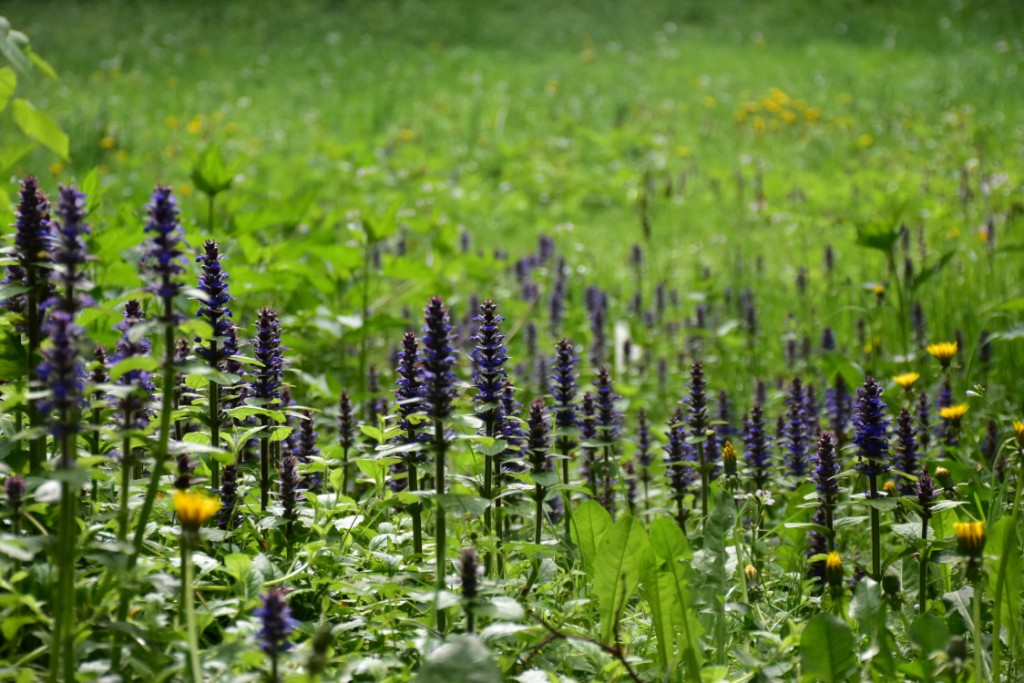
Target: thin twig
x,y
556,634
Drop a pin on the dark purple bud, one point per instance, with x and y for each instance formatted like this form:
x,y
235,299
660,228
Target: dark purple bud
x,y
538,443
277,621
346,421
871,437
266,383
14,489
905,453
227,517
289,487
437,360
826,470
61,371
758,452
213,283
163,257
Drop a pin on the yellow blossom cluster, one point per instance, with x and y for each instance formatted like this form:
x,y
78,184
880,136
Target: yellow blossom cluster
x,y
774,111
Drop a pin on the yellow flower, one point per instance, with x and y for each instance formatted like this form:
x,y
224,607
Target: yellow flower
x,y
108,142
682,151
195,125
834,569
709,101
750,571
194,509
1018,431
890,489
878,290
907,379
729,459
172,123
953,413
56,168
865,140
970,538
943,351
812,115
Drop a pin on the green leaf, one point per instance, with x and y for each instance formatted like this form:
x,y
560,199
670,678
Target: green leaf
x,y
929,634
623,552
866,605
828,650
932,270
668,544
463,658
1004,560
210,174
661,598
39,126
41,63
460,503
8,82
877,236
132,363
590,521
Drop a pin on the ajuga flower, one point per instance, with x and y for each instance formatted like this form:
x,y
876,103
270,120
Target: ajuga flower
x,y
306,448
588,434
194,509
905,455
14,490
643,449
289,488
512,432
489,358
437,360
917,322
184,479
795,433
597,306
758,453
678,460
924,426
697,409
872,437
69,254
608,418
277,621
32,238
266,383
538,442
132,406
213,283
563,388
163,255
61,371
228,518
346,421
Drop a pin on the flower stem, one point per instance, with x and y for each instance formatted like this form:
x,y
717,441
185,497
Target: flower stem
x,y
265,465
979,659
64,629
214,397
922,580
126,480
440,531
188,608
876,532
705,483
159,459
416,509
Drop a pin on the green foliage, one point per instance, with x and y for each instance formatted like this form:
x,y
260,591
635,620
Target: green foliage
x,y
827,650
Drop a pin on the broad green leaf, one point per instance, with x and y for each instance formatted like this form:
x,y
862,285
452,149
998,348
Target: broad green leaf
x,y
623,552
661,598
929,634
210,174
41,127
866,605
8,82
668,543
828,650
877,236
589,523
1004,559
463,658
132,363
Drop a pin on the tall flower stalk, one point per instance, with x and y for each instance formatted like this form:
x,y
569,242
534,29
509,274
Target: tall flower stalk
x,y
161,264
872,440
697,421
213,308
61,370
408,402
538,446
438,393
266,386
278,624
925,490
346,438
826,478
193,510
563,388
489,376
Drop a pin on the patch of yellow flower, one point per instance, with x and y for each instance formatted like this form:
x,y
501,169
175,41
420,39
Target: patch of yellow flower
x,y
906,379
953,413
194,509
775,110
943,351
970,537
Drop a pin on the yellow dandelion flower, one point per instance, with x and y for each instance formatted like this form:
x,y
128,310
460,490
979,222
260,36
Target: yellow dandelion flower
x,y
834,569
108,142
759,124
878,290
172,123
682,151
750,571
195,125
1018,431
953,413
194,509
943,352
185,190
56,168
890,489
812,115
907,379
970,538
788,116
865,140
406,134
771,105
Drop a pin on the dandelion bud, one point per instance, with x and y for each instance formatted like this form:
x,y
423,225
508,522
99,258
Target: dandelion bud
x,y
834,570
890,489
970,538
750,571
729,459
945,479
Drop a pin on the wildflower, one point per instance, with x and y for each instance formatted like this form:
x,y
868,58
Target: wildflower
x,y
1018,432
289,488
469,571
438,358
194,509
757,453
826,470
905,454
277,622
879,292
266,384
834,570
346,421
750,572
68,252
795,429
213,283
61,370
14,489
889,489
133,405
970,541
678,461
489,357
945,478
163,255
563,388
608,418
953,413
871,437
228,498
906,380
729,459
943,352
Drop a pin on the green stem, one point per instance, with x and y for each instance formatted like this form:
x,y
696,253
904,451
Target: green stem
x,y
564,446
159,460
705,482
188,608
539,517
344,471
1004,557
922,579
265,465
440,531
415,509
214,398
126,480
876,532
37,446
979,659
64,628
